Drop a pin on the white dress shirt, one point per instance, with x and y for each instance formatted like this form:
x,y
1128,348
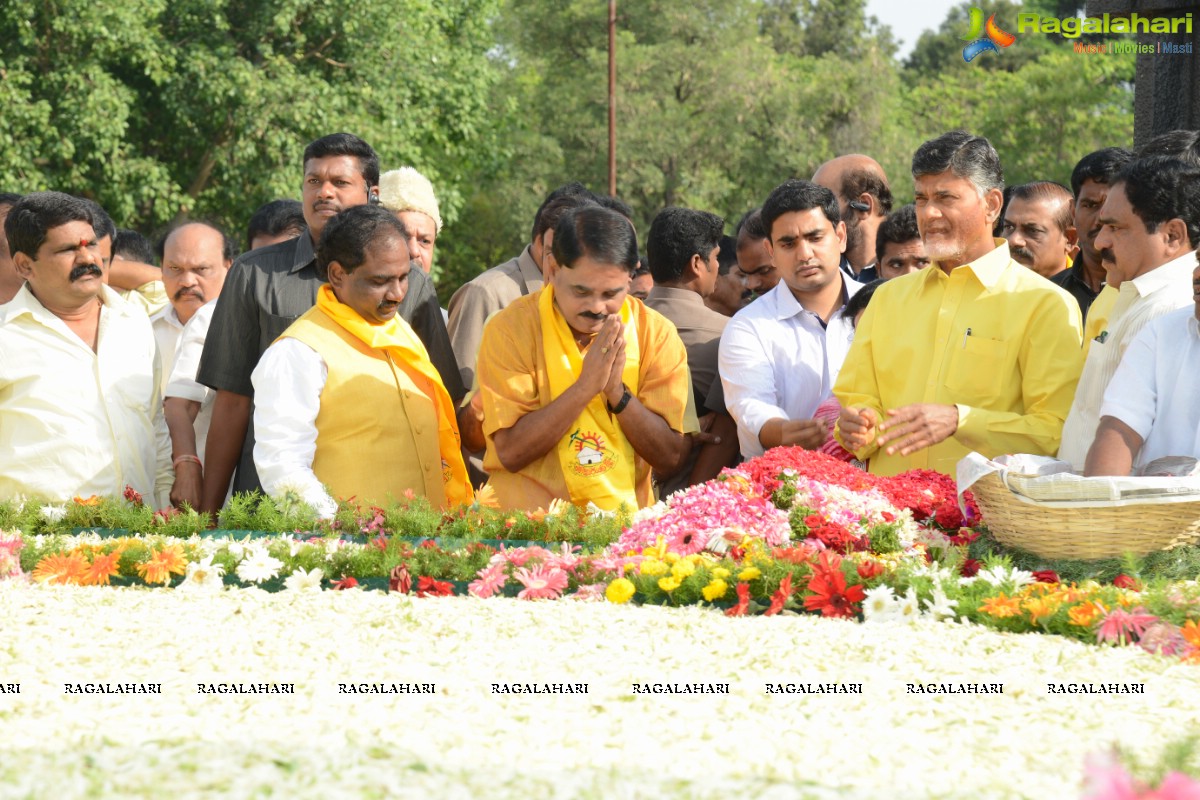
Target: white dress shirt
x,y
779,360
181,382
288,382
167,330
74,422
1146,297
1156,387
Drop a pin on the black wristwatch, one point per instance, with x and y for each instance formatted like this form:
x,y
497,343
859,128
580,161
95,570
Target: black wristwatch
x,y
620,406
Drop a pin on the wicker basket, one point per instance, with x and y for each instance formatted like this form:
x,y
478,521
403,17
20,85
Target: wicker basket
x,y
1084,532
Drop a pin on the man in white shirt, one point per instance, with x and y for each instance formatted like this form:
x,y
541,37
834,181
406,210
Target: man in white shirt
x,y
80,408
780,355
1150,225
188,409
196,256
1150,407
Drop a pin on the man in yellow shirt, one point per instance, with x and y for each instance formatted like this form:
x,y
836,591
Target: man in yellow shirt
x,y
347,402
988,353
584,389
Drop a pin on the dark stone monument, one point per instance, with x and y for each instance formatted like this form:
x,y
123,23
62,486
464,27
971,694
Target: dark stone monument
x,y
1167,85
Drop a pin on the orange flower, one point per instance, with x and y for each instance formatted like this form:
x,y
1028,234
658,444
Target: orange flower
x,y
1191,632
61,568
1001,606
162,564
103,567
486,497
90,501
1086,614
1039,607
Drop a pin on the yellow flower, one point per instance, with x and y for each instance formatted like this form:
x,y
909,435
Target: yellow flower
x,y
682,568
1001,606
749,574
652,566
1085,614
668,584
486,497
620,590
720,573
671,558
714,590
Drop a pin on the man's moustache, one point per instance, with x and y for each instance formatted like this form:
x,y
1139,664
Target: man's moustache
x,y
1021,254
83,270
193,292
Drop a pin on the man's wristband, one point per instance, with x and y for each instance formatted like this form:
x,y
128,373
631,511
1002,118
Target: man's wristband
x,y
181,459
620,406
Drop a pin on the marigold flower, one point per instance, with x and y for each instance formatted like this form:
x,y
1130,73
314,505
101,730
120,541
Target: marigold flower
x,y
715,590
681,569
1040,607
620,591
749,574
669,584
720,573
88,501
1001,606
652,566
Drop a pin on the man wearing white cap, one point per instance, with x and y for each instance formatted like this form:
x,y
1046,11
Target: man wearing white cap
x,y
409,194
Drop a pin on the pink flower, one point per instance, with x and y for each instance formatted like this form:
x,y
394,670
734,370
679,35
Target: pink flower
x,y
590,591
1122,627
1164,639
541,583
491,580
1108,780
10,560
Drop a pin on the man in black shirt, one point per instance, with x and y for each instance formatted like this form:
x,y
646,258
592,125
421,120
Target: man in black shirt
x,y
268,289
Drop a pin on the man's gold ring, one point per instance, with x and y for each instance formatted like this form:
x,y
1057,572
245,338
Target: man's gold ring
x,y
604,350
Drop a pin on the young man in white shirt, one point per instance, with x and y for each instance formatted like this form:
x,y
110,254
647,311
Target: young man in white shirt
x,y
780,355
80,405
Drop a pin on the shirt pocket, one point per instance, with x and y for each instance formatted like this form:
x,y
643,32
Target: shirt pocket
x,y
978,371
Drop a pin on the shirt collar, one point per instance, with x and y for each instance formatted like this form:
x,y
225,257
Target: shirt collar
x,y
169,315
787,306
1165,274
25,304
531,273
303,254
678,295
987,269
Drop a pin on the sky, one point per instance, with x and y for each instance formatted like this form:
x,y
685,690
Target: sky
x,y
908,18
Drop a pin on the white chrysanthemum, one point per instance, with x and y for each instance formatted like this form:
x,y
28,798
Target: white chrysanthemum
x,y
908,606
203,576
1009,577
258,566
879,605
939,606
53,513
304,581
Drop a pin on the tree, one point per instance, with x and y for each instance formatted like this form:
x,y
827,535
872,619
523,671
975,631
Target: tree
x,y
203,107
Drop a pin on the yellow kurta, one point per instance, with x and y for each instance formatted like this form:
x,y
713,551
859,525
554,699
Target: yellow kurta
x,y
514,381
377,431
993,338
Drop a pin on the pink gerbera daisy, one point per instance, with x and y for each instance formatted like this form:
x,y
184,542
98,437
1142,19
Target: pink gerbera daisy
x,y
491,580
541,583
1122,627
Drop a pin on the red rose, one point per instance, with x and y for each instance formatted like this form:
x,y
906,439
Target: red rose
x,y
1046,576
970,567
1123,581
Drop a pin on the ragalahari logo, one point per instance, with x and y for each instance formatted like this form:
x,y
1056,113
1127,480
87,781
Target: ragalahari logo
x,y
984,37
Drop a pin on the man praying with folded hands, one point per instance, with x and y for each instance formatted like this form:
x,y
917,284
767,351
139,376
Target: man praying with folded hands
x,y
585,390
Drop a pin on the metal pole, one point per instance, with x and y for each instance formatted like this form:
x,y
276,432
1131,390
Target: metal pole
x,y
612,97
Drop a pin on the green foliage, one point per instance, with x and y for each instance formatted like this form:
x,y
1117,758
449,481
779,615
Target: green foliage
x,y
256,512
885,538
203,107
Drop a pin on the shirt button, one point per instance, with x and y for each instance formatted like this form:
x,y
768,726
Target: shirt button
x,y
417,431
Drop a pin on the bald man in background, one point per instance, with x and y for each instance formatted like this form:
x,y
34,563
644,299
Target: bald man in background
x,y
863,193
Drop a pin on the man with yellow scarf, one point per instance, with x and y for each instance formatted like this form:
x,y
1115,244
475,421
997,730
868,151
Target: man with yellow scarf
x,y
584,389
348,403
